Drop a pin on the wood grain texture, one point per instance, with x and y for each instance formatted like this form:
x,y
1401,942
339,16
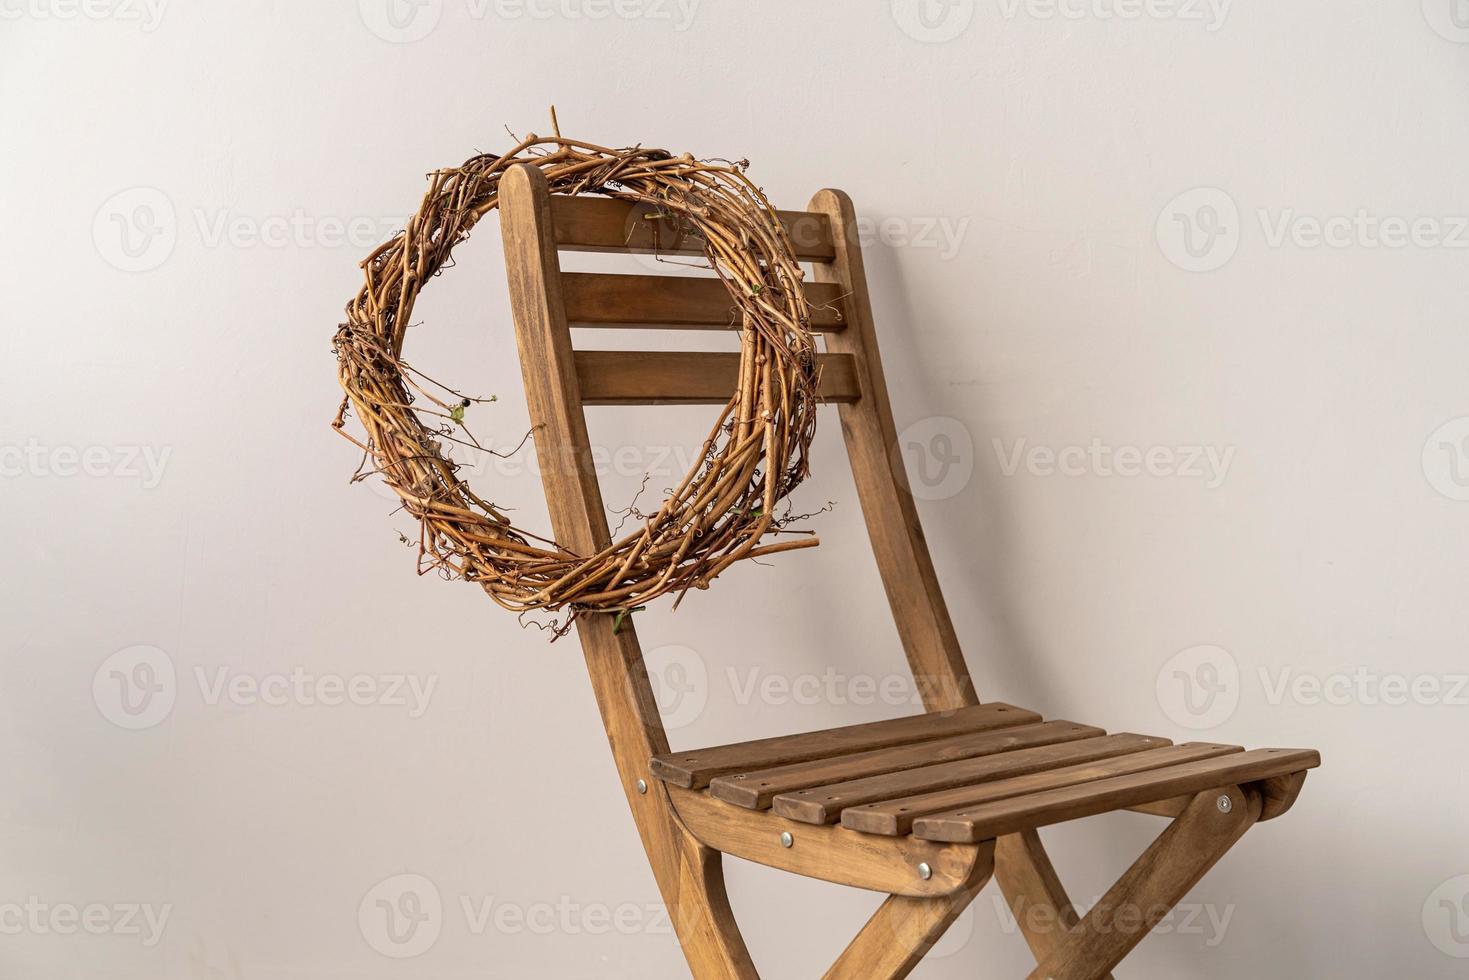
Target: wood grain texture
x,y
601,224
695,768
1037,898
833,854
688,874
902,931
984,820
688,302
1277,795
826,804
684,830
1149,889
757,789
903,560
901,814
613,377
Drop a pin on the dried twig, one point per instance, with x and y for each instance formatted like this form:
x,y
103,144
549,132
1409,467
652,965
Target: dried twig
x,y
755,453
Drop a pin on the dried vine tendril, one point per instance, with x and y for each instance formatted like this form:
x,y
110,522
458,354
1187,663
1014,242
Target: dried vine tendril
x,y
755,454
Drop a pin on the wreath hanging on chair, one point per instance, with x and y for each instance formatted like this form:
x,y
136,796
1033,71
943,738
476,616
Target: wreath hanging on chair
x,y
719,513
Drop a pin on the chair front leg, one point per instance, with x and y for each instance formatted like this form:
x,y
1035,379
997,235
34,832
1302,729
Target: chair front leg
x,y
703,919
1037,899
1147,892
903,930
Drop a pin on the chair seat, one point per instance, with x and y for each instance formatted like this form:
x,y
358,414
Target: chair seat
x,y
974,774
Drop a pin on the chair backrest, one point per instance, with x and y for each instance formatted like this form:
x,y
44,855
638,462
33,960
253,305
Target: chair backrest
x,y
561,380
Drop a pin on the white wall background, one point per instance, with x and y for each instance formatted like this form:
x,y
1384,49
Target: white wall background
x,y
187,188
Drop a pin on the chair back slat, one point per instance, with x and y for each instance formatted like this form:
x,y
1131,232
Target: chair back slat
x,y
602,224
675,302
619,377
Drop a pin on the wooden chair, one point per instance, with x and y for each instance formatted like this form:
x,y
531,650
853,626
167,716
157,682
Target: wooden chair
x,y
923,809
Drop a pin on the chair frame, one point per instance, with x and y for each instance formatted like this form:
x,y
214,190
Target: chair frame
x,y
683,833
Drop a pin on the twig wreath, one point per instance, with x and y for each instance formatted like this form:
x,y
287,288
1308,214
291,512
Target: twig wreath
x,y
754,456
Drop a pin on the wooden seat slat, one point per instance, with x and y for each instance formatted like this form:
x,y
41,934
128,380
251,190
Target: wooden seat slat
x,y
755,790
825,804
694,769
896,816
983,821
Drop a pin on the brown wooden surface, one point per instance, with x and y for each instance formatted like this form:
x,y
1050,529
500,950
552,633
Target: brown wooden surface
x,y
893,527
826,804
614,377
885,864
1150,888
695,768
1037,899
1277,795
690,302
908,576
756,789
600,224
688,874
898,815
687,869
1039,809
902,931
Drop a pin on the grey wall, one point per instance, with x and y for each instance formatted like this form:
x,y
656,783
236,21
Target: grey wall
x,y
1108,241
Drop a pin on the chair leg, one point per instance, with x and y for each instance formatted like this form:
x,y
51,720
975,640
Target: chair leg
x,y
1037,899
903,930
699,909
1208,827
690,876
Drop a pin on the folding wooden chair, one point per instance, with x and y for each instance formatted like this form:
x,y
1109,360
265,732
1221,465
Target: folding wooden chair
x,y
923,809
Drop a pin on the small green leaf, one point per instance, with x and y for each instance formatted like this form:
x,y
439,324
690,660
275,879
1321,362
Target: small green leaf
x,y
457,413
621,615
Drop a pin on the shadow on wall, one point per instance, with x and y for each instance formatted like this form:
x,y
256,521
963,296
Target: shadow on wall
x,y
974,589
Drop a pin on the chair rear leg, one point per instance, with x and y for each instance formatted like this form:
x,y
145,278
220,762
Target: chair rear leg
x,y
903,930
1034,892
1147,892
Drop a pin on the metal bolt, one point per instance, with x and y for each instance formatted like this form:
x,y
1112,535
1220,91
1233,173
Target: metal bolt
x,y
642,785
786,840
1224,803
924,871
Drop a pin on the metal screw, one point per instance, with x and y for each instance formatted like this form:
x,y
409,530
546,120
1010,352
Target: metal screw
x,y
1224,803
786,840
924,871
642,785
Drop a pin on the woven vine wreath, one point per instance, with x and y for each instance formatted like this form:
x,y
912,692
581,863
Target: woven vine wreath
x,y
755,455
